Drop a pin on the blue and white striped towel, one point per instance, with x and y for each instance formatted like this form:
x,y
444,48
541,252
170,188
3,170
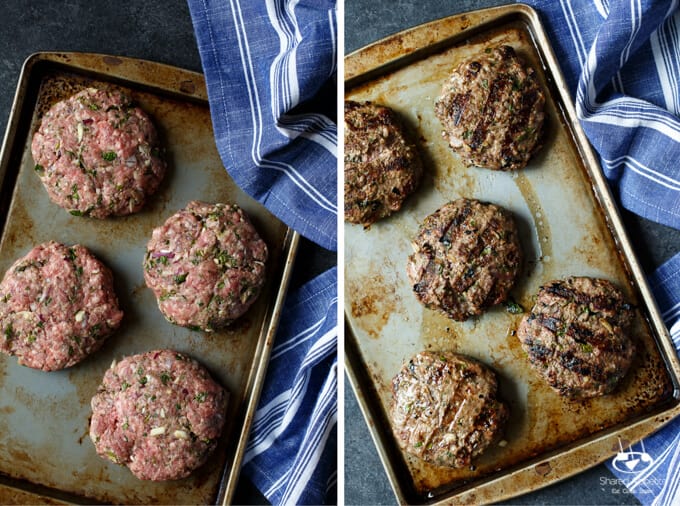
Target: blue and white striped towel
x,y
621,59
267,66
265,61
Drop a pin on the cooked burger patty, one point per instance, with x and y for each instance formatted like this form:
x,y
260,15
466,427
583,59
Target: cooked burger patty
x,y
206,265
57,305
382,167
97,154
158,413
445,410
576,336
466,258
491,108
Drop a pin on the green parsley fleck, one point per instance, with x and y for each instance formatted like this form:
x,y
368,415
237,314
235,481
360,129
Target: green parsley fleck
x,y
179,279
513,307
75,212
165,377
39,169
109,156
200,397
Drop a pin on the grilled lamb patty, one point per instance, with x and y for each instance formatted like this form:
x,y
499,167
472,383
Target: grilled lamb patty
x,y
97,154
57,306
466,258
382,167
576,336
444,408
158,413
491,108
206,265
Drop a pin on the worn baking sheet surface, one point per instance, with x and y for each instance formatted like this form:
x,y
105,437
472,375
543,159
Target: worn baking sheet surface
x,y
45,416
564,230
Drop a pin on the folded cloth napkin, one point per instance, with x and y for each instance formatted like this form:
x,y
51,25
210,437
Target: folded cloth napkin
x,y
268,67
621,60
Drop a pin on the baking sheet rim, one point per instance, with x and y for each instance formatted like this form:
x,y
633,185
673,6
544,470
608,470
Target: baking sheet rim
x,y
637,429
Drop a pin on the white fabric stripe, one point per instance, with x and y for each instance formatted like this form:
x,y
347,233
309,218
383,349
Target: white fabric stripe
x,y
324,418
323,347
646,172
313,443
321,140
574,31
334,42
601,9
625,107
299,339
651,469
272,409
293,493
612,119
281,84
671,310
636,22
265,440
296,393
662,52
670,484
256,116
322,400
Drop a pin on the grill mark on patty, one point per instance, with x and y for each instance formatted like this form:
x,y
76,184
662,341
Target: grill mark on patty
x,y
493,102
581,352
458,106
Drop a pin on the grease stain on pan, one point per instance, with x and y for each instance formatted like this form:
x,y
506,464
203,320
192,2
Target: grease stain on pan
x,y
371,306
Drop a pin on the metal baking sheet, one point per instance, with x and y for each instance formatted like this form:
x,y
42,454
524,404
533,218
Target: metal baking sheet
x,y
44,444
568,226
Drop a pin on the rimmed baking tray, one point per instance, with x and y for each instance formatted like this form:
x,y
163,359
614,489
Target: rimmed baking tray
x,y
569,225
45,451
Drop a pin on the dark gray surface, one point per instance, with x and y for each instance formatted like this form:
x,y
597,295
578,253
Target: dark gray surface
x,y
365,480
157,30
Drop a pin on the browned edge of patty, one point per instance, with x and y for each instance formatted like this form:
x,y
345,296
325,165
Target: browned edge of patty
x,y
382,165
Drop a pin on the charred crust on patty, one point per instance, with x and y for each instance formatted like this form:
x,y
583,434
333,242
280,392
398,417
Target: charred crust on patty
x,y
492,110
382,165
445,408
467,257
577,336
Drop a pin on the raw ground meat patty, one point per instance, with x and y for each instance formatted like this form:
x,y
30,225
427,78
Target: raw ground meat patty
x,y
444,408
491,108
158,413
57,305
382,167
206,265
97,154
576,336
466,258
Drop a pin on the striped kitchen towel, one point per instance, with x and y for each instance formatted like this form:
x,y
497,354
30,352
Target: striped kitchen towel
x,y
621,59
270,70
291,455
269,67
